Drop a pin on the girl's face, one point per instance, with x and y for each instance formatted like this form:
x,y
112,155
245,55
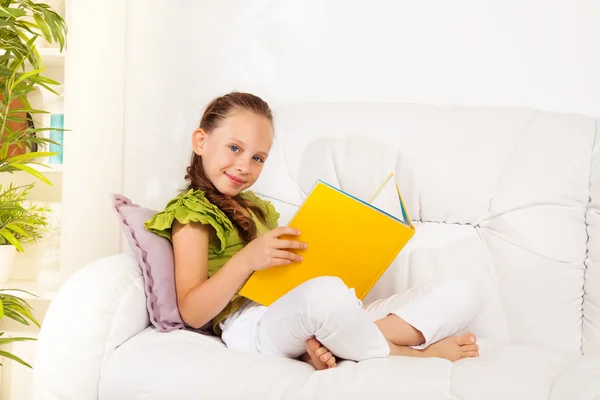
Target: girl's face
x,y
234,153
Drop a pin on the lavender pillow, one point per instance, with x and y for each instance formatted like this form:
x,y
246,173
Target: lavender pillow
x,y
155,256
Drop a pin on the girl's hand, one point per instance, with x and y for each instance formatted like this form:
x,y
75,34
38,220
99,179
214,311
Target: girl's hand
x,y
268,250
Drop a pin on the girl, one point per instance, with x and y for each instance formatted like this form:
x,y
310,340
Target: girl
x,y
222,232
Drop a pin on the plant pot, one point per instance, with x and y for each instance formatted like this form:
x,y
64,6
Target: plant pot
x,y
7,261
22,123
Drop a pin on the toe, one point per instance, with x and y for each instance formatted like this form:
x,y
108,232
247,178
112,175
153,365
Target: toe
x,y
470,354
312,344
469,347
320,351
325,357
466,338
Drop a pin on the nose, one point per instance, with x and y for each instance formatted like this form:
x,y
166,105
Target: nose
x,y
243,165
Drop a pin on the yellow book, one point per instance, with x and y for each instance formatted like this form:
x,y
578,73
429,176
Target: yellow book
x,y
347,237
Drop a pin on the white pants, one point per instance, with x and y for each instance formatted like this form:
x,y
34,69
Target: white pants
x,y
326,308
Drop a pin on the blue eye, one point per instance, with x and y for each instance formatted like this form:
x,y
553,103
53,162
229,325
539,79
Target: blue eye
x,y
258,159
234,148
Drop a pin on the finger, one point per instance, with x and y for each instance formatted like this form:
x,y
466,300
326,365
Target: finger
x,y
275,262
287,255
290,244
284,230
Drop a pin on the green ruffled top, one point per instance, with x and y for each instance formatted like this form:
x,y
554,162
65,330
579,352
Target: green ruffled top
x,y
193,206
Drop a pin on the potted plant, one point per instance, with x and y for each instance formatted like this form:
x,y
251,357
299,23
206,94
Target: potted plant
x,y
19,223
22,23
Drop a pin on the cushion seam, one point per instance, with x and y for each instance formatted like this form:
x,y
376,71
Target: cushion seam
x,y
587,231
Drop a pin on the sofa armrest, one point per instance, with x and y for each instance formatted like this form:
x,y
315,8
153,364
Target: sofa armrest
x,y
97,309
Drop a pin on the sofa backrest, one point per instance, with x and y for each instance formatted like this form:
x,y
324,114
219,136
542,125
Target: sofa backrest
x,y
498,194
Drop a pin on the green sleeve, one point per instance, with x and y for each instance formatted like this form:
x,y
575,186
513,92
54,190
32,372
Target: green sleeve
x,y
191,206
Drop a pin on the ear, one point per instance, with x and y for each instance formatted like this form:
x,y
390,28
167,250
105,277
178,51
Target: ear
x,y
199,141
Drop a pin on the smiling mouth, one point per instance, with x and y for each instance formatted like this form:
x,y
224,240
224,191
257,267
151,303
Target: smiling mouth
x,y
234,180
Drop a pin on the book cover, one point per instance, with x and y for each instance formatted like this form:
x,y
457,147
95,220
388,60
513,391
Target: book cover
x,y
347,237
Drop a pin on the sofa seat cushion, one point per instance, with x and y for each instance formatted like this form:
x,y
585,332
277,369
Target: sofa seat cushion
x,y
580,381
509,372
187,365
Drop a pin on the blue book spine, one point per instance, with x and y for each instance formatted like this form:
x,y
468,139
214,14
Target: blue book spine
x,y
56,121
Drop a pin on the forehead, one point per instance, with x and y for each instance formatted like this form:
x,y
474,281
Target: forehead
x,y
248,127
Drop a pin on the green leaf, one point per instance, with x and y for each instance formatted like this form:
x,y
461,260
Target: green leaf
x,y
4,341
26,311
25,101
18,119
10,238
48,88
26,26
13,315
15,299
1,309
29,156
49,16
13,357
29,110
10,297
20,309
41,23
17,229
45,130
12,12
40,164
33,172
25,76
11,207
45,79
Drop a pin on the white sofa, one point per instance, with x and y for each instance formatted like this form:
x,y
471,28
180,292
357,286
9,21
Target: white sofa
x,y
507,196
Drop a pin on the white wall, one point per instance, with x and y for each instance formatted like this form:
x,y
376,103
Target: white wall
x,y
94,107
537,53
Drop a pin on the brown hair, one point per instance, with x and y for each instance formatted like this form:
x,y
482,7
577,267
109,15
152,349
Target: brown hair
x,y
233,207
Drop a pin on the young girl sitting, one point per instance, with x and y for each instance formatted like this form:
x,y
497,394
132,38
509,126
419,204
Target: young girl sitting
x,y
222,232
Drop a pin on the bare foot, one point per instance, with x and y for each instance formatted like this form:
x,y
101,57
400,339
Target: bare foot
x,y
453,348
318,355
